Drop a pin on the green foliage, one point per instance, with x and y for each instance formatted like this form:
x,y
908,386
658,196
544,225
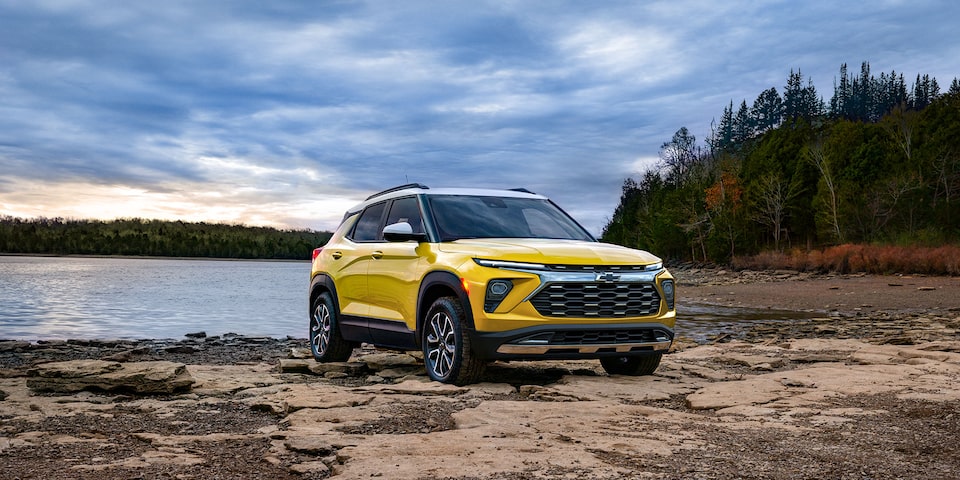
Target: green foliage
x,y
154,238
881,165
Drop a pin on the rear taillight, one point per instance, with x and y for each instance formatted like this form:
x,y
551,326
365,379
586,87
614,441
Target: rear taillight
x,y
316,253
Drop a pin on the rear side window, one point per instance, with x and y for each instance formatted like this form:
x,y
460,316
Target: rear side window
x,y
368,226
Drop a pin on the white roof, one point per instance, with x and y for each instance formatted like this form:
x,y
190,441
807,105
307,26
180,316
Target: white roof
x,y
479,192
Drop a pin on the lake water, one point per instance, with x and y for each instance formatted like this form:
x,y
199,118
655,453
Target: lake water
x,y
80,297
112,298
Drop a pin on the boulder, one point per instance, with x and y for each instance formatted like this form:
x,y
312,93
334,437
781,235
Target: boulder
x,y
138,377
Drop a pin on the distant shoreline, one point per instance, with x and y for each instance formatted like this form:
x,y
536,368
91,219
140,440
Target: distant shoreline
x,y
150,257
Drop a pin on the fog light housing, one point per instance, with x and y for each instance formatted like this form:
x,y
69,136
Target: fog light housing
x,y
497,290
668,293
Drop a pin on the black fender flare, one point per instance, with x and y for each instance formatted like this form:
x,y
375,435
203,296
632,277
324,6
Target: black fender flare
x,y
322,283
441,281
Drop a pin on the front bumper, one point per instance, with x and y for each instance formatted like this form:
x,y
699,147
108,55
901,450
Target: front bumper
x,y
569,342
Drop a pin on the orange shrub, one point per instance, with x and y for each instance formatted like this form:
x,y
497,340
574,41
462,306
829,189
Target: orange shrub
x,y
851,258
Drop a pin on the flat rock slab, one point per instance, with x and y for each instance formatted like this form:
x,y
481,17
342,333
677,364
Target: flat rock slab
x,y
414,387
139,377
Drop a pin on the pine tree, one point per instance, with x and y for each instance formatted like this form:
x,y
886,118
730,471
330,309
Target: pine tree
x,y
725,132
743,124
840,103
898,91
801,101
767,111
925,91
792,94
863,94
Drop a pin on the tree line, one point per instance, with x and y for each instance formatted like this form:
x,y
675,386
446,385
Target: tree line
x,y
877,163
154,238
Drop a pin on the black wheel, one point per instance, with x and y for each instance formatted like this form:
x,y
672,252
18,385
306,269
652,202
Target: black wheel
x,y
446,350
325,341
638,365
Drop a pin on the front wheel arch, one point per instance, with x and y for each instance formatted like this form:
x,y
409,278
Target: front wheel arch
x,y
436,285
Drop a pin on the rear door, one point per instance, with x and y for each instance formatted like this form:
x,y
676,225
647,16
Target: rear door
x,y
393,278
352,284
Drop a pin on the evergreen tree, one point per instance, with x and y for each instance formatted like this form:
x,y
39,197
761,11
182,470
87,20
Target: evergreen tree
x,y
801,101
743,124
896,92
925,91
723,140
863,95
841,102
792,96
767,111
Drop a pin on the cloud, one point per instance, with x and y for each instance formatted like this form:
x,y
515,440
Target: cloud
x,y
285,113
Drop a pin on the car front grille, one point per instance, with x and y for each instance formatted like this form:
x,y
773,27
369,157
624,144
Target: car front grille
x,y
597,300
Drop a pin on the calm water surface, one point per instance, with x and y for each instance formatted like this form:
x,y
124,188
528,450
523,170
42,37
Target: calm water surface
x,y
86,298
71,297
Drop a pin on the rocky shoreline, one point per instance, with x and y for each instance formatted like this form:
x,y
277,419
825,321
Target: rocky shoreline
x,y
866,388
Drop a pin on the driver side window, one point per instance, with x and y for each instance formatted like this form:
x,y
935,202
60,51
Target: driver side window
x,y
406,210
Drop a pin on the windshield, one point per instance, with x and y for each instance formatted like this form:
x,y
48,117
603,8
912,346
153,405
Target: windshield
x,y
464,216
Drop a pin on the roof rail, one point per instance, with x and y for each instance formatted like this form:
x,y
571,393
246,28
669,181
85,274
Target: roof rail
x,y
521,189
401,187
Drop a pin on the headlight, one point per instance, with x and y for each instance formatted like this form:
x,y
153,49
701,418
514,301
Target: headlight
x,y
653,267
668,293
509,265
497,290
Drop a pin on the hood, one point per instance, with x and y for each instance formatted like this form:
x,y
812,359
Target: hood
x,y
548,251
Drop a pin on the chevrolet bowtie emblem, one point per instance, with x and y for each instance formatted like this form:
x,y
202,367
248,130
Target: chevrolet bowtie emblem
x,y
607,277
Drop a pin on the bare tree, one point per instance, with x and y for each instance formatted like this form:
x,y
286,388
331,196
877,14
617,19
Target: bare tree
x,y
887,198
698,224
900,128
947,170
776,194
816,156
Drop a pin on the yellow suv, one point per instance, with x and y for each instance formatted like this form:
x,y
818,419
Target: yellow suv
x,y
469,276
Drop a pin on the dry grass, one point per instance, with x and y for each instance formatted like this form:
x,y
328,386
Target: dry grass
x,y
850,258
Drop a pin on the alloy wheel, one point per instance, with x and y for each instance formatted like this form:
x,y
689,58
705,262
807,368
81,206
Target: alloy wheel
x,y
320,329
441,344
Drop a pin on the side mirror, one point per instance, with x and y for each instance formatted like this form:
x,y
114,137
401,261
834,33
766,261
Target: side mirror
x,y
402,232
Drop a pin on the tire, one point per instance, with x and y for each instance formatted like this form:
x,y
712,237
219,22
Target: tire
x,y
326,343
634,365
446,349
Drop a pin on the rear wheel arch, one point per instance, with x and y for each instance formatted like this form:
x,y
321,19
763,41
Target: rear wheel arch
x,y
323,283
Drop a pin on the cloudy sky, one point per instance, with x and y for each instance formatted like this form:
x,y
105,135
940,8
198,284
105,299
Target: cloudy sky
x,y
286,113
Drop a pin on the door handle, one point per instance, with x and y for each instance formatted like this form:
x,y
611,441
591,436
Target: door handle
x,y
378,254
336,255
